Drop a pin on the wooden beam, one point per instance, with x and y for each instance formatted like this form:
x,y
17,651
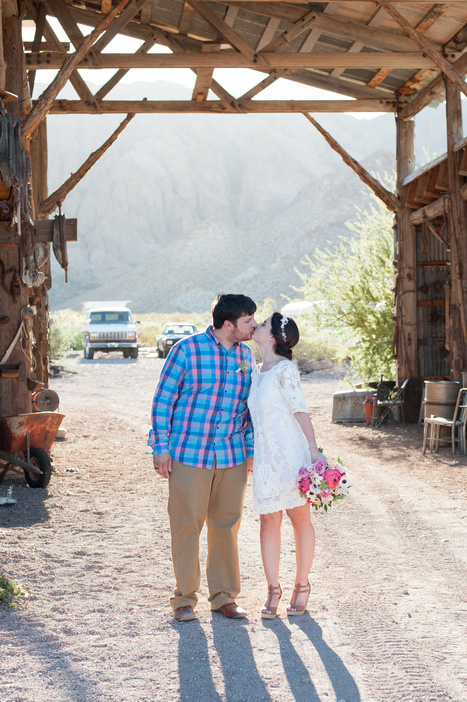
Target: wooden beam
x,y
391,201
426,45
268,33
185,19
32,120
204,76
75,79
219,106
118,24
117,77
145,16
431,91
50,203
44,231
376,20
232,59
292,32
405,301
226,32
259,87
36,44
432,211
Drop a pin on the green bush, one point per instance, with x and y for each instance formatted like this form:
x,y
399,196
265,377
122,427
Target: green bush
x,y
352,286
10,593
65,331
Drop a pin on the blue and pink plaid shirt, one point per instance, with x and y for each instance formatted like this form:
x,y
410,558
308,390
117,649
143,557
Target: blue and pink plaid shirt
x,y
199,410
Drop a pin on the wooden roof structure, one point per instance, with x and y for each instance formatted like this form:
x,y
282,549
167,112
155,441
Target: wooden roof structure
x,y
380,56
383,56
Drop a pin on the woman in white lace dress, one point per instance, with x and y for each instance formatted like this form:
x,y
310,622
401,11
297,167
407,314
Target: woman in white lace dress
x,y
284,441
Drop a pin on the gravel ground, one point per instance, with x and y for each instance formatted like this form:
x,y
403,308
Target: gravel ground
x,y
386,620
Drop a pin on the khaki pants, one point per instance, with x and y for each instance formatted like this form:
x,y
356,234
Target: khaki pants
x,y
216,496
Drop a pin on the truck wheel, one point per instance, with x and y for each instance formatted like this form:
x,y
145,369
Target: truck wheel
x,y
133,353
126,353
159,352
39,459
88,353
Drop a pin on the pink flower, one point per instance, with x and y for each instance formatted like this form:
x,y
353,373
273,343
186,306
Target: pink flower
x,y
332,477
340,468
319,467
325,493
304,485
303,472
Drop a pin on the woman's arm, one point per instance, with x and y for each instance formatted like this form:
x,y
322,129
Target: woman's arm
x,y
307,428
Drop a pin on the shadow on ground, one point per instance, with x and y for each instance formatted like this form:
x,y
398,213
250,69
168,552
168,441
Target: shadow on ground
x,y
242,679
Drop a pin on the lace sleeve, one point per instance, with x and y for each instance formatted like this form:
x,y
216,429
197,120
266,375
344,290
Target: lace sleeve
x,y
289,380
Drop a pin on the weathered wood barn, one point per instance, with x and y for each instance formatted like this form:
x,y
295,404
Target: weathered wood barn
x,y
383,56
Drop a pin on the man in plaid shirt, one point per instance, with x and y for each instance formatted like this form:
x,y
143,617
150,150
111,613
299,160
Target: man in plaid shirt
x,y
202,440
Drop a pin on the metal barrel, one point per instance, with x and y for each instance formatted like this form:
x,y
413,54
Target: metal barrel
x,y
440,398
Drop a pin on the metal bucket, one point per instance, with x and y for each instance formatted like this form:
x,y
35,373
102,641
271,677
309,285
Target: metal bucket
x,y
440,398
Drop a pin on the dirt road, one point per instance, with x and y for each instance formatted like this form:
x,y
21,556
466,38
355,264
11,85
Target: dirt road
x,y
387,612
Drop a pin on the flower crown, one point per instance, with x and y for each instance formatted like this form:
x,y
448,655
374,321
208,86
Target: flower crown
x,y
284,321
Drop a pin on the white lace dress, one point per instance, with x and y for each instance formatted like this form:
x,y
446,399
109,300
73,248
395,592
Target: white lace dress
x,y
280,445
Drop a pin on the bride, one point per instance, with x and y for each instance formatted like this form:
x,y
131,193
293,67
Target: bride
x,y
284,441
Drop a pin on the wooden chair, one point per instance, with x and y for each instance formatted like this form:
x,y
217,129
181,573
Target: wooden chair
x,y
432,427
388,405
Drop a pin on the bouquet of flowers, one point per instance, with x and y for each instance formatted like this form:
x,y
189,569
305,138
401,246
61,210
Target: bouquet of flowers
x,y
321,485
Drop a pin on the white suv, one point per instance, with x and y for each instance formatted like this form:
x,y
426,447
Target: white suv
x,y
109,328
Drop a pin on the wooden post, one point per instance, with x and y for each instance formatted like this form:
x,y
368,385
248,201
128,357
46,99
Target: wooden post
x,y
40,324
457,221
15,397
406,346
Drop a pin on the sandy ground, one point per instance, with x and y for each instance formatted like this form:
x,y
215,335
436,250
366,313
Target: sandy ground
x,y
387,613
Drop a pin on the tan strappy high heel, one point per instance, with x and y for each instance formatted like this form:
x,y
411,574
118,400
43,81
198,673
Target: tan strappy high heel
x,y
293,610
267,611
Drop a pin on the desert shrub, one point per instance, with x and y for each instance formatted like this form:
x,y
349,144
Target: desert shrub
x,y
65,331
10,593
352,286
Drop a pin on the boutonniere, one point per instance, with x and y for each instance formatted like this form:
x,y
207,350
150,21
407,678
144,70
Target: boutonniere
x,y
242,368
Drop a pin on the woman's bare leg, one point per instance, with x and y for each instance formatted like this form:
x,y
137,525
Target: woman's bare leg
x,y
304,534
270,536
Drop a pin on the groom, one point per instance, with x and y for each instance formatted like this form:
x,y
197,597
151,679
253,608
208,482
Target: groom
x,y
202,440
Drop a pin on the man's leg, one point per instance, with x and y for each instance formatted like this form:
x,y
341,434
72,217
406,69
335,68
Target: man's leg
x,y
189,490
223,521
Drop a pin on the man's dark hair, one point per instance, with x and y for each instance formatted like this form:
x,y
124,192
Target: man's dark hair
x,y
231,308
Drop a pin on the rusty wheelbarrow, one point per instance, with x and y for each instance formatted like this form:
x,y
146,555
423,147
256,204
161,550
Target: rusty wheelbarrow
x,y
25,442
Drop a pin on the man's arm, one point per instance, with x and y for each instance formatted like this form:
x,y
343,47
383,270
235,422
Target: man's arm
x,y
166,394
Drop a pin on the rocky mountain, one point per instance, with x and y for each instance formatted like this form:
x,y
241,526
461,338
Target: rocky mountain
x,y
184,206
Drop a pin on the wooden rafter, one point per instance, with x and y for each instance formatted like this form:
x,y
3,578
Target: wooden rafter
x,y
292,32
32,120
118,24
233,59
36,44
426,45
391,201
269,32
185,19
226,32
50,204
376,20
145,15
421,76
220,106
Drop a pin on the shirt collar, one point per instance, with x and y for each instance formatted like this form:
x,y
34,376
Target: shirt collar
x,y
210,334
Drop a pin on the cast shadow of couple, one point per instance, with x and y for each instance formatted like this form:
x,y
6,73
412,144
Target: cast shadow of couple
x,y
243,679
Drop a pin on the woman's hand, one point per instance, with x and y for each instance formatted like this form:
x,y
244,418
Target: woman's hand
x,y
316,455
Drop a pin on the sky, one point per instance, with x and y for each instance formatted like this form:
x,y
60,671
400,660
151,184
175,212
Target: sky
x,y
236,81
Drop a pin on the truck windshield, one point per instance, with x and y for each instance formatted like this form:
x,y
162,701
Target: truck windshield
x,y
180,329
110,317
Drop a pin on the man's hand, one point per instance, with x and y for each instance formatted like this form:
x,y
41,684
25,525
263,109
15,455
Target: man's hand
x,y
249,466
163,464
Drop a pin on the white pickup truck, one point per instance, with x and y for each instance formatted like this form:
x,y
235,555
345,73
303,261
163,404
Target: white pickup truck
x,y
109,327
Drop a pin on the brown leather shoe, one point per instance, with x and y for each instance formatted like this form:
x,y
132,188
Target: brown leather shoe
x,y
232,611
184,614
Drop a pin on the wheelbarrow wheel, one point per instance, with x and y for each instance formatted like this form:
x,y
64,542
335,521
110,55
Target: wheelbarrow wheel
x,y
39,459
